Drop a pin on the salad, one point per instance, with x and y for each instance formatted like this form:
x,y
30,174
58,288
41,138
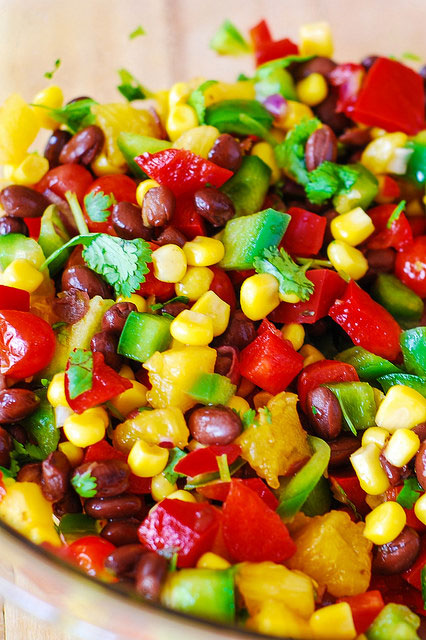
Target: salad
x,y
213,339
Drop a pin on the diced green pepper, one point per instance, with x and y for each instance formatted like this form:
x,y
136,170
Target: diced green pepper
x,y
134,144
76,525
416,166
53,235
357,403
362,192
271,81
41,425
248,187
415,382
394,622
319,500
144,334
413,346
247,237
212,388
14,246
225,116
368,366
397,298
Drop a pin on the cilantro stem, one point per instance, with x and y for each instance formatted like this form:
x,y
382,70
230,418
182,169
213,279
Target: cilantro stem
x,y
77,212
395,214
314,263
82,239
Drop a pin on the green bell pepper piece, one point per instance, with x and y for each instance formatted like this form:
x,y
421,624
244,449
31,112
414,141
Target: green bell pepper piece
x,y
413,346
415,382
397,298
14,246
144,334
296,491
41,425
362,192
270,81
416,166
318,501
76,525
225,116
394,622
248,187
357,403
134,144
368,366
53,235
212,388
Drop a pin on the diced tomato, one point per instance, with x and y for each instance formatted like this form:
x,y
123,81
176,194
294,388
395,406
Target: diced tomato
x,y
66,177
222,286
219,491
346,481
102,450
204,460
410,266
323,372
348,79
90,553
305,233
398,236
121,187
12,298
187,219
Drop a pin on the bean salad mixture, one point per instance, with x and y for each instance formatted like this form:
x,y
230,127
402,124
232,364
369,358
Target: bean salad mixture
x,y
213,338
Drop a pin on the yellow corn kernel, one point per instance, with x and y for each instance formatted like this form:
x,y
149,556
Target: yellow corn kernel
x,y
211,560
385,522
178,94
402,408
239,404
86,428
379,153
203,251
74,454
420,508
161,487
241,90
185,496
352,227
310,354
291,298
295,333
195,282
56,391
294,114
19,126
102,166
217,309
21,274
334,621
31,170
199,140
169,263
126,372
181,118
316,39
147,460
274,618
142,189
402,446
261,399
371,475
192,328
265,152
259,295
375,435
138,301
345,258
131,399
313,89
51,97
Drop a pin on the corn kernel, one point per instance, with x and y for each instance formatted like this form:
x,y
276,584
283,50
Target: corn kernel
x,y
370,473
178,94
352,227
195,282
21,274
310,354
142,189
316,39
30,170
211,560
181,118
169,263
130,399
403,407
161,487
375,435
138,301
402,446
420,509
184,496
86,428
334,621
313,89
127,372
199,140
51,97
259,295
74,454
294,114
192,328
379,152
203,251
345,258
265,152
147,460
239,404
56,391
385,522
295,333
217,309
102,166
261,399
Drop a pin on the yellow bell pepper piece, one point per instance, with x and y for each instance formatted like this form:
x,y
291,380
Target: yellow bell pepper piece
x,y
19,126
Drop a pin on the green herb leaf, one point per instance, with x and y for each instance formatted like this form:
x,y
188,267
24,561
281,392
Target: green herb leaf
x,y
75,115
49,74
291,277
290,153
169,472
23,454
84,484
80,372
328,180
160,305
395,214
409,493
256,128
228,41
408,55
248,418
131,88
13,470
139,31
197,99
267,413
314,410
223,466
283,63
45,382
76,525
98,204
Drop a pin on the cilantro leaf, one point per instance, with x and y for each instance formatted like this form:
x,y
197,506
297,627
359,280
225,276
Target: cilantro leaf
x,y
13,470
84,484
410,493
80,372
291,277
395,214
139,31
328,180
160,305
290,153
169,472
228,41
248,418
131,88
283,63
408,55
267,413
197,99
21,455
97,205
74,115
56,65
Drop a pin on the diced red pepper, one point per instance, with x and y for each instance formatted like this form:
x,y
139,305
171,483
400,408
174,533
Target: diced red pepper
x,y
245,517
222,286
270,362
204,460
219,491
187,219
139,485
107,383
11,298
260,34
266,49
367,323
398,236
388,190
365,608
34,226
181,170
348,482
323,372
392,97
305,233
348,78
187,528
328,287
102,450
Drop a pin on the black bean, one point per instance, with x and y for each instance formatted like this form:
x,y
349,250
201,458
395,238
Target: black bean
x,y
174,308
320,146
82,278
120,532
319,64
171,235
17,404
23,202
115,317
326,112
13,225
30,473
420,465
151,571
420,429
324,413
54,146
240,332
124,559
381,260
121,506
341,449
106,342
71,306
226,152
227,363
397,556
213,205
112,476
5,447
56,471
214,425
127,221
84,146
70,503
158,206
393,473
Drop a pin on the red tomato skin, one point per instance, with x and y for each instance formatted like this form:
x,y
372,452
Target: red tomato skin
x,y
121,187
12,298
222,286
90,553
66,177
410,266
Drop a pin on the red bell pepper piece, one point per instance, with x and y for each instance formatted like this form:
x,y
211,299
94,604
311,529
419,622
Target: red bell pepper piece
x,y
245,517
270,362
219,491
348,482
11,298
152,286
323,372
266,49
392,97
260,34
305,233
366,322
181,170
187,528
410,266
365,608
34,226
398,236
348,79
328,287
204,460
222,287
412,520
187,219
388,190
107,383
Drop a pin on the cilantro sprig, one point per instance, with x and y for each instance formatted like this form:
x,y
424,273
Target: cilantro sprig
x,y
97,205
84,484
395,214
197,99
139,31
56,65
80,372
74,115
291,277
131,88
328,180
160,305
409,493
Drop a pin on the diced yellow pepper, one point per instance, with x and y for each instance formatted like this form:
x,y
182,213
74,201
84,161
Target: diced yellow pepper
x,y
19,126
153,427
316,39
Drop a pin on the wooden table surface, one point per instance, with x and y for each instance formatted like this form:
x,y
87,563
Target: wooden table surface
x,y
91,39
